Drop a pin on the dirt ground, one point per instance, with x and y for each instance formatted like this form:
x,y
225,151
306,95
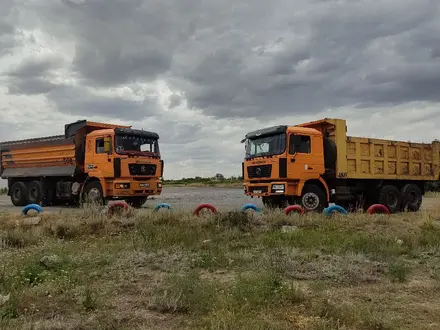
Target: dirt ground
x,y
187,198
172,270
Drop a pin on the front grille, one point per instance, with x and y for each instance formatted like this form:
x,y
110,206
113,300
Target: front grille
x,y
259,171
142,169
263,189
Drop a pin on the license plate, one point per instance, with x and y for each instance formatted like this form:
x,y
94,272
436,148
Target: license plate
x,y
257,191
144,185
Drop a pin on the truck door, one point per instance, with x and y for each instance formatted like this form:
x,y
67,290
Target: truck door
x,y
301,158
100,163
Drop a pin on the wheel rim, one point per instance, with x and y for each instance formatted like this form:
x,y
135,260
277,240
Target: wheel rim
x,y
17,194
392,200
94,194
310,201
33,193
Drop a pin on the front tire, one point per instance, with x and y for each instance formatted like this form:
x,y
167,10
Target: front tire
x,y
313,198
93,193
19,194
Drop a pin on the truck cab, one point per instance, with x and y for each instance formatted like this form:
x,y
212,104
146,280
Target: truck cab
x,y
125,162
284,165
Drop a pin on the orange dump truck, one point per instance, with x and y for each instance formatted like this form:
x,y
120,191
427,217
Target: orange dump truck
x,y
316,163
94,161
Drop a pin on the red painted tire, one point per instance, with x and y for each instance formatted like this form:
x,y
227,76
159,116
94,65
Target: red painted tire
x,y
205,206
294,208
378,209
117,204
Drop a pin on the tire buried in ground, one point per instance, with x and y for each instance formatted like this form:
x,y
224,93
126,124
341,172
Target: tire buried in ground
x,y
294,208
246,207
162,206
29,207
112,206
334,209
205,206
378,209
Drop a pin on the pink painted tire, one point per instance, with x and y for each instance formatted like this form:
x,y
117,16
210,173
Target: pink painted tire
x,y
378,209
205,206
294,208
114,205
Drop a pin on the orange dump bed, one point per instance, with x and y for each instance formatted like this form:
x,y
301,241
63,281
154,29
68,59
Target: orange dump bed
x,y
49,156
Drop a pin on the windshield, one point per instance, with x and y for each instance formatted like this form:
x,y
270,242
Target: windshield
x,y
266,146
133,144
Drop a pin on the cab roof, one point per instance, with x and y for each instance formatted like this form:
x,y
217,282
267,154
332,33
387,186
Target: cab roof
x,y
303,130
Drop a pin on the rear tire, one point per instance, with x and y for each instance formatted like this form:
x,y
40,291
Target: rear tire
x,y
313,198
411,197
136,202
390,197
19,194
34,192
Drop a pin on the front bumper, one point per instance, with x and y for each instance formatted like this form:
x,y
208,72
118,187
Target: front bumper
x,y
126,188
266,189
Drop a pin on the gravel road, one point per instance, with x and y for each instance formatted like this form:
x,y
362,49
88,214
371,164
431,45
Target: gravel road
x,y
180,198
188,198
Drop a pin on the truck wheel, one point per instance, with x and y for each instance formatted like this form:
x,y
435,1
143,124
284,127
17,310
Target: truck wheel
x,y
411,197
313,198
19,194
34,192
93,192
136,202
390,197
273,202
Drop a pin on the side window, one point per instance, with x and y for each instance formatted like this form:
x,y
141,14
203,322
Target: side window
x,y
100,146
299,144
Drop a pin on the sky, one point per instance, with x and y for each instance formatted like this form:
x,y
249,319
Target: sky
x,y
203,73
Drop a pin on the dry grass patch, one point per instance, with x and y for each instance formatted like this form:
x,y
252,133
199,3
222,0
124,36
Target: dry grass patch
x,y
171,270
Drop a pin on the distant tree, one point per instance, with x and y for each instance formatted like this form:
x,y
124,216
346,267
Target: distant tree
x,y
219,176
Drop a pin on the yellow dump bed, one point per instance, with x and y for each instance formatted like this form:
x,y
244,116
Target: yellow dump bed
x,y
365,158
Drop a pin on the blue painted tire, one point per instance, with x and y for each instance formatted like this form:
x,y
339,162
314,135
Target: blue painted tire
x,y
334,209
29,207
161,206
250,206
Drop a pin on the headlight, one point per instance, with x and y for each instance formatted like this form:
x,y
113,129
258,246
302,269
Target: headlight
x,y
278,187
159,185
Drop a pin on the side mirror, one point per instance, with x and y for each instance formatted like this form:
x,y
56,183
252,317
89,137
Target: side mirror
x,y
107,145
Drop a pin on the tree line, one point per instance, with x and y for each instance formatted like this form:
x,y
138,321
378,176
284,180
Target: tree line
x,y
433,186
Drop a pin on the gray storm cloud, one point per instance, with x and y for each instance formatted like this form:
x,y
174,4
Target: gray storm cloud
x,y
253,60
250,58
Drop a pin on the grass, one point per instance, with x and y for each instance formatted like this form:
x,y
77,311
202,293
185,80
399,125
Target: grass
x,y
432,194
170,270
